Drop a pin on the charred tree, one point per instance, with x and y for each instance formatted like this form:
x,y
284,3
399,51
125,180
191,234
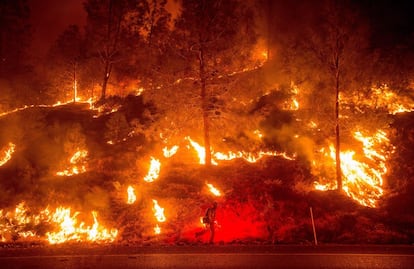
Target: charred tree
x,y
211,43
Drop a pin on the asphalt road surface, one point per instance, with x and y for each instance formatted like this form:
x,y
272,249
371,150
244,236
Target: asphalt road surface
x,y
211,257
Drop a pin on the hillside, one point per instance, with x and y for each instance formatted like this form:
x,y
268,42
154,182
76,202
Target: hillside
x,y
266,202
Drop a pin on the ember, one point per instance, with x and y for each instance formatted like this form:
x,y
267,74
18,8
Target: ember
x,y
213,189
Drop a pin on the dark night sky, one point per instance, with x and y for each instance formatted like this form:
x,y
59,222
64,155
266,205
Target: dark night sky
x,y
393,21
50,17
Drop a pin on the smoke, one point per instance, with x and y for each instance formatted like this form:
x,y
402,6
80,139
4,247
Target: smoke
x,y
174,8
288,137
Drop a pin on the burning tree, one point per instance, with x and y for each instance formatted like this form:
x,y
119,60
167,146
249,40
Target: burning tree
x,y
331,55
211,50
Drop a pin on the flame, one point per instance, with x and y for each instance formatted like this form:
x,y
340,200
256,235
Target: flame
x,y
77,158
157,229
258,133
79,155
313,125
158,211
139,91
15,221
251,157
293,104
75,89
70,231
131,195
66,223
89,101
265,55
170,152
202,223
363,176
201,152
213,189
382,97
154,170
7,154
260,53
230,155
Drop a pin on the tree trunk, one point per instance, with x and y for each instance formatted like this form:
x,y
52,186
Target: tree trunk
x,y
108,67
337,136
204,107
74,83
269,27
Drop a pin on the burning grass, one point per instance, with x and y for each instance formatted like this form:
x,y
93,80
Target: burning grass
x,y
262,197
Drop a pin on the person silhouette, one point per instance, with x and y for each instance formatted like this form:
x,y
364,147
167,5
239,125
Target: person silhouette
x,y
209,220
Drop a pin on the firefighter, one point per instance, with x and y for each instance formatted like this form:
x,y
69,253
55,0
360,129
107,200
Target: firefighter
x,y
209,220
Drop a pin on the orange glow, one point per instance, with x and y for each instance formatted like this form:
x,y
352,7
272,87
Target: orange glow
x,y
102,111
313,125
213,189
170,152
158,211
250,157
154,170
79,155
139,91
363,175
293,103
131,195
258,133
157,229
260,53
265,55
89,101
382,97
7,154
70,230
230,155
201,152
66,224
77,161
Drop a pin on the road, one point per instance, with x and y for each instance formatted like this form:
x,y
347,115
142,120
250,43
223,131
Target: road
x,y
343,257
